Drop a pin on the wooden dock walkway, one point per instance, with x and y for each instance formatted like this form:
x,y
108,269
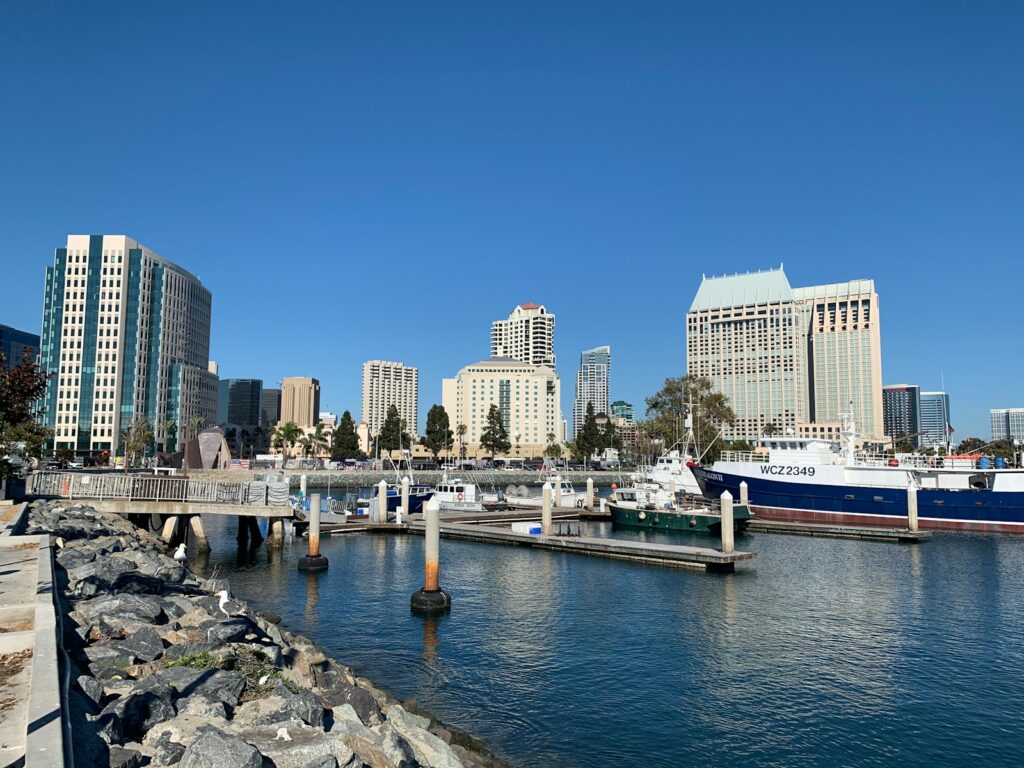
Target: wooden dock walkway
x,y
671,555
827,530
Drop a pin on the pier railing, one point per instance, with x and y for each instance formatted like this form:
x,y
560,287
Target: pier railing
x,y
89,485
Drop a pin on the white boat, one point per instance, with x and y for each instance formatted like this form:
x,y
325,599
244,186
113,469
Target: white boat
x,y
520,497
672,472
455,495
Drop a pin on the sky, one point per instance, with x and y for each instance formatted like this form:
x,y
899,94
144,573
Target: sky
x,y
382,180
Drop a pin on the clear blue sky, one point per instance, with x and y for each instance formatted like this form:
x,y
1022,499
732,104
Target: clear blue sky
x,y
382,180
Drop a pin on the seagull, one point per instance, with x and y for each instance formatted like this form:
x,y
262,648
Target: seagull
x,y
228,606
180,555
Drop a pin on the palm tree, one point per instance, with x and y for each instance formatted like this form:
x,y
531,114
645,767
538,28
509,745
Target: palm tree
x,y
319,440
290,433
170,427
307,445
461,431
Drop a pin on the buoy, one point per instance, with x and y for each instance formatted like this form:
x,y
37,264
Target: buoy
x,y
614,486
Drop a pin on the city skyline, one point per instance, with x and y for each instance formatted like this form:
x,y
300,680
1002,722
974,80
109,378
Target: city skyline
x,y
684,149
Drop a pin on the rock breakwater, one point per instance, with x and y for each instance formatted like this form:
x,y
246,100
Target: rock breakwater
x,y
164,672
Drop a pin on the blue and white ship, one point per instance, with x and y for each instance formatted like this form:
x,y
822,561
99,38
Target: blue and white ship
x,y
808,480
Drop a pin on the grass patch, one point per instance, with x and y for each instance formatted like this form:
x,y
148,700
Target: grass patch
x,y
202,660
261,677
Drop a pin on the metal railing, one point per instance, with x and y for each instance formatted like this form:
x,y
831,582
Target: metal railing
x,y
94,485
748,456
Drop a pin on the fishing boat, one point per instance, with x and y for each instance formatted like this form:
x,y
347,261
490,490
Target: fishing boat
x,y
419,493
810,480
521,497
456,495
650,506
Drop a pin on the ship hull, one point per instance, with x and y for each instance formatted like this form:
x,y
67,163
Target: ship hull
x,y
940,509
674,520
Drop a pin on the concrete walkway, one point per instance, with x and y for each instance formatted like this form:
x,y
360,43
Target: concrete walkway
x,y
30,709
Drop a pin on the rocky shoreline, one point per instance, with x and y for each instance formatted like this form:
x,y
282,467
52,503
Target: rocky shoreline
x,y
165,672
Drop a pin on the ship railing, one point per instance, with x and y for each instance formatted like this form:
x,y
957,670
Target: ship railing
x,y
758,456
914,461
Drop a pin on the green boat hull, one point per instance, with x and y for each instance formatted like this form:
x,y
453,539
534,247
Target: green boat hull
x,y
678,520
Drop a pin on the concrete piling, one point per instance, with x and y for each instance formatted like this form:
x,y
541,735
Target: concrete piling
x,y
744,493
431,599
912,507
314,561
545,512
302,486
728,535
590,494
170,529
382,502
404,509
558,493
195,523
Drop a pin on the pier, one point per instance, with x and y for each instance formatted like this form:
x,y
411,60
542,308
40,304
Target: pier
x,y
672,555
178,501
827,530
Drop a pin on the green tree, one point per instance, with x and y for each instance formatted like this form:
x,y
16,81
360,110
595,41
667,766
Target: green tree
x,y
391,435
287,435
135,441
970,445
589,439
461,431
21,387
769,429
667,409
319,441
439,437
553,449
741,445
346,442
610,437
494,439
170,427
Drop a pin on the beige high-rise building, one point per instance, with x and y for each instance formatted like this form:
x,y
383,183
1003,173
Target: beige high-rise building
x,y
793,358
528,335
126,338
385,384
528,397
300,401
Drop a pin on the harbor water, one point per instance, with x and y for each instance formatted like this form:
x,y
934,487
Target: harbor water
x,y
820,652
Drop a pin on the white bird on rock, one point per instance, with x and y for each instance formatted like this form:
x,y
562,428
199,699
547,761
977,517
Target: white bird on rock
x,y
180,555
228,606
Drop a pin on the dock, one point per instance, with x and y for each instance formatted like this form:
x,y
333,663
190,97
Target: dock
x,y
671,555
827,530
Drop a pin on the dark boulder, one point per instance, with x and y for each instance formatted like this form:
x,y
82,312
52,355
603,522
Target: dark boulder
x,y
125,758
145,645
361,700
221,685
233,630
138,584
216,749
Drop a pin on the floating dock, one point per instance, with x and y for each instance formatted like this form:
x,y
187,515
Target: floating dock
x,y
671,555
826,530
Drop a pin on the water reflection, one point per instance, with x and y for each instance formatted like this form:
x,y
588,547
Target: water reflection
x,y
821,652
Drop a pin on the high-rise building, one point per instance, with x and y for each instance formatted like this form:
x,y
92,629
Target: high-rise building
x,y
329,419
300,401
528,335
785,356
1007,424
527,396
126,336
270,413
385,384
591,384
935,424
620,409
901,412
240,401
14,344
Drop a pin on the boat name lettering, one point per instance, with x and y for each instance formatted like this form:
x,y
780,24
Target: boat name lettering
x,y
713,476
778,469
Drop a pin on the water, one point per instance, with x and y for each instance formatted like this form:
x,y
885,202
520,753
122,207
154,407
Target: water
x,y
820,652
